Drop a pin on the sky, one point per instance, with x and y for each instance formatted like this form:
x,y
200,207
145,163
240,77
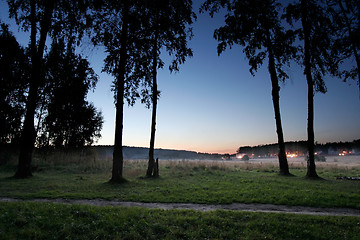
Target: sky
x,y
213,104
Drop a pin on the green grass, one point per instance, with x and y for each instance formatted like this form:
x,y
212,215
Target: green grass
x,y
60,221
182,181
195,182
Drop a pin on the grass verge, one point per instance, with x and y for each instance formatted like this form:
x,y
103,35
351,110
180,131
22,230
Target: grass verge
x,y
60,221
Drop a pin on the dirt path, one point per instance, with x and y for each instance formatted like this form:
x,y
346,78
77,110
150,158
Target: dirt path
x,y
204,207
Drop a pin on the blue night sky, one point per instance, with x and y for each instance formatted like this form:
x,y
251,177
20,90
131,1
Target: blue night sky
x,y
214,104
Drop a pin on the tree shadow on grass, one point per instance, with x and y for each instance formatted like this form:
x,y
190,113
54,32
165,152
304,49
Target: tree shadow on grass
x,y
152,178
117,181
318,178
285,174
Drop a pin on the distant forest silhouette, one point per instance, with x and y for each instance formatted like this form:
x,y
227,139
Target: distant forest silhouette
x,y
300,148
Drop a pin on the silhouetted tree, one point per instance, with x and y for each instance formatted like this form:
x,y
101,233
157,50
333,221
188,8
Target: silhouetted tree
x,y
118,27
256,25
14,69
346,21
41,18
315,57
167,29
70,120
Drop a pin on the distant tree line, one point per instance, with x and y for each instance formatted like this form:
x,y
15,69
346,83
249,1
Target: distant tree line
x,y
169,154
300,147
328,148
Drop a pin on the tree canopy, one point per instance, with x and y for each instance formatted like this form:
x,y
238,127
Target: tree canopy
x,y
14,70
70,120
345,18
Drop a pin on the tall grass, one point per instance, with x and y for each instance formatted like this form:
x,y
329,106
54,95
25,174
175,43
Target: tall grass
x,y
89,160
60,176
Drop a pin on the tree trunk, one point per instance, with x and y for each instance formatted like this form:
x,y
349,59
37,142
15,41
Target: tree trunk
x,y
118,160
152,171
283,163
156,170
311,168
28,135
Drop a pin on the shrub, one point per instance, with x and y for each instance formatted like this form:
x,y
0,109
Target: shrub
x,y
245,158
318,158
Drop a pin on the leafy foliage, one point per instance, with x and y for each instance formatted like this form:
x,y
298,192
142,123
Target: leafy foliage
x,y
256,26
68,19
167,28
320,29
70,121
346,21
169,19
14,69
108,28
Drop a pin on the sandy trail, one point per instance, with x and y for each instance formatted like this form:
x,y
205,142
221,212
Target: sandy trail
x,y
269,208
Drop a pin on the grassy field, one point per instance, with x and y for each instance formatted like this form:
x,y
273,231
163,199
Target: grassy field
x,y
189,181
58,221
180,181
